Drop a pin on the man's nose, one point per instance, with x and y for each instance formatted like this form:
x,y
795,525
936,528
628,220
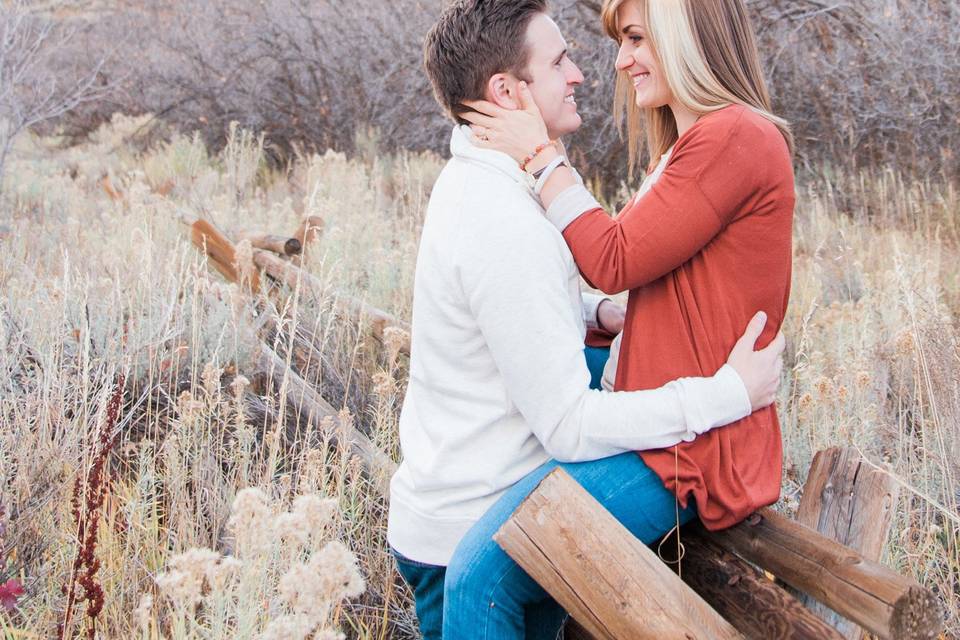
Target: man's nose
x,y
576,76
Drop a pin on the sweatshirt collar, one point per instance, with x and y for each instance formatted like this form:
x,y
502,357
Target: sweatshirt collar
x,y
462,147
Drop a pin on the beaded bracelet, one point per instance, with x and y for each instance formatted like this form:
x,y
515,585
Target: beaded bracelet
x,y
536,152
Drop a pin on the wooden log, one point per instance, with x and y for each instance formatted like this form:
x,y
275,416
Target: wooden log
x,y
220,250
853,504
310,404
875,597
755,605
573,630
281,245
608,580
378,321
309,231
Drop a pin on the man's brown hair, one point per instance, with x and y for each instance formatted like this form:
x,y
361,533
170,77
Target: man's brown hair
x,y
474,40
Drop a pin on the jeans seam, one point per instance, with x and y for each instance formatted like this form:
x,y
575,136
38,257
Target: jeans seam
x,y
489,599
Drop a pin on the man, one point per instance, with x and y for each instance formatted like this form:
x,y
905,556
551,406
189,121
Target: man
x,y
498,391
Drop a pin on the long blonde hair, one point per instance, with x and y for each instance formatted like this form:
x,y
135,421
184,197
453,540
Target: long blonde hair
x,y
709,58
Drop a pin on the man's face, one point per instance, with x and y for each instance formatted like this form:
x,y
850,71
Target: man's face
x,y
552,77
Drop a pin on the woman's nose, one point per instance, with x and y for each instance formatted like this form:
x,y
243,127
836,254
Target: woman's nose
x,y
624,59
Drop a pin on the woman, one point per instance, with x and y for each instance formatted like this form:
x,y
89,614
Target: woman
x,y
705,243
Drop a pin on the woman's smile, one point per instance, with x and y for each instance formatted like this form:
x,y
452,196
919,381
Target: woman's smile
x,y
640,78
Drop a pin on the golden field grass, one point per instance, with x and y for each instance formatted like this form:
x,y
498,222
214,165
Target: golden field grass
x,y
99,280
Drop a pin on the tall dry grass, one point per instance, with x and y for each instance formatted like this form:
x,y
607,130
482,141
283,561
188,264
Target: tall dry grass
x,y
98,279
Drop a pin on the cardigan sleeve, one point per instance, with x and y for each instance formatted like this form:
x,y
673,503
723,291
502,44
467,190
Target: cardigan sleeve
x,y
711,176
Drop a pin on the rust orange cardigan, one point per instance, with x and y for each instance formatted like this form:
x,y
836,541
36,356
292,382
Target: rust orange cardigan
x,y
707,247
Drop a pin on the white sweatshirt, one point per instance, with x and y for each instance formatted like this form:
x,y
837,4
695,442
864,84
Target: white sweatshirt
x,y
498,380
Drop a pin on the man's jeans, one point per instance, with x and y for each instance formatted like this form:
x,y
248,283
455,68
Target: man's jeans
x,y
543,620
486,595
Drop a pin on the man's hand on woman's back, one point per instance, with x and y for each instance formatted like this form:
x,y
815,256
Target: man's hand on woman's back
x,y
759,370
610,316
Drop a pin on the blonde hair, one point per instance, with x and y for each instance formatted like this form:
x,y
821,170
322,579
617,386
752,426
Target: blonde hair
x,y
709,58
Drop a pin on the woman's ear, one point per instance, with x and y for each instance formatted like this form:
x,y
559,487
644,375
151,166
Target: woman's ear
x,y
502,91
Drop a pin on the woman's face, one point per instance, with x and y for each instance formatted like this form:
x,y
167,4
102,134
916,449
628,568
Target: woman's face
x,y
636,59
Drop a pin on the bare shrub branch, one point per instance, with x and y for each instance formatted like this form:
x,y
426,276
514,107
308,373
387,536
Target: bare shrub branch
x,y
34,85
865,82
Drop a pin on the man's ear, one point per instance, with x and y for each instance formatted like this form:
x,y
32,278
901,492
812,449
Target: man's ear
x,y
502,91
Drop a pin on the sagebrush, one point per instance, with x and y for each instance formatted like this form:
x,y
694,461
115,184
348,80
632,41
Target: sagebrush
x,y
99,280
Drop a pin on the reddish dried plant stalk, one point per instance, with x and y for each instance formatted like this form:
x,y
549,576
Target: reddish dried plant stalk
x,y
89,492
11,590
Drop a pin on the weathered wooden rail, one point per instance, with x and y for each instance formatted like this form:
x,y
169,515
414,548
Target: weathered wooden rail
x,y
306,401
829,583
615,587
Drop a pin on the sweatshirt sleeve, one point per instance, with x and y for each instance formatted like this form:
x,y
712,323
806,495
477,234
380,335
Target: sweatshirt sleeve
x,y
517,278
591,305
710,177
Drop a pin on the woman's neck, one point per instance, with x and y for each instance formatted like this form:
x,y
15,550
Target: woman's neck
x,y
683,117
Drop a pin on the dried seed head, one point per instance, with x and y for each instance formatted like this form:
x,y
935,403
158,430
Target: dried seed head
x,y
317,512
250,520
239,386
291,528
142,613
289,627
824,386
211,378
394,339
383,384
243,260
338,569
903,343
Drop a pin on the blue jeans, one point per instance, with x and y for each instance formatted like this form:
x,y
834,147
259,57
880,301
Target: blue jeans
x,y
484,594
426,582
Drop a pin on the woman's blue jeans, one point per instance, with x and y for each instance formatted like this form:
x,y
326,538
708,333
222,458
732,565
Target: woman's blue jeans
x,y
487,596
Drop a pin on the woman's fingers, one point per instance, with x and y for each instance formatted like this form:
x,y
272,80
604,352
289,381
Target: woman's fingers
x,y
480,137
484,107
478,118
526,99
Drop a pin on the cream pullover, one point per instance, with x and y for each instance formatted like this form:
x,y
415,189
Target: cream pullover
x,y
498,381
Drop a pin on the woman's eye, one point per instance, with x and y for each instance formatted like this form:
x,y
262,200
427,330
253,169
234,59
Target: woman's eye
x,y
636,39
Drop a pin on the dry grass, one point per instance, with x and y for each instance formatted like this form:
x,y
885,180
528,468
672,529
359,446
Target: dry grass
x,y
98,280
